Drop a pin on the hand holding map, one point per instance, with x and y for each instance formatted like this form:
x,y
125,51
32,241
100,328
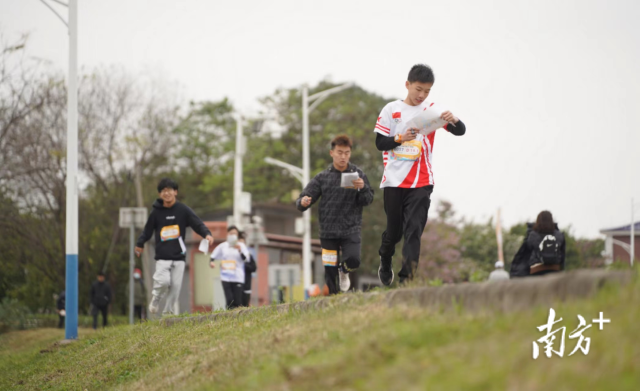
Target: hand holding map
x,y
428,121
347,180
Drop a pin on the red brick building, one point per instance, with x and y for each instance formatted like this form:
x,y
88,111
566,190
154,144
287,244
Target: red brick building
x,y
617,243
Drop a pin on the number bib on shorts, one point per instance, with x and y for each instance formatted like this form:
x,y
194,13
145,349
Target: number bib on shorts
x,y
329,257
409,150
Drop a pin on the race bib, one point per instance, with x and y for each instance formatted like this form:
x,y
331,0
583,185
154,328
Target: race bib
x,y
229,265
228,269
329,257
170,232
409,150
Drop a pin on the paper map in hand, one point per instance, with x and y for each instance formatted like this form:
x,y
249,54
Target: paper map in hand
x,y
428,121
347,179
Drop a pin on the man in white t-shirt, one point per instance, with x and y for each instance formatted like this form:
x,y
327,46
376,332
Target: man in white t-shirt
x,y
232,255
408,172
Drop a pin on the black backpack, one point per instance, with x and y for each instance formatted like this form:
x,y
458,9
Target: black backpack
x,y
547,251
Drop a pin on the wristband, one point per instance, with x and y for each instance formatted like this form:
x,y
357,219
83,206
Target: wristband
x,y
398,138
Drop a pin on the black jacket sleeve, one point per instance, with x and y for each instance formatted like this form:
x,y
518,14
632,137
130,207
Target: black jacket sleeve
x,y
365,195
251,266
148,230
313,190
385,143
196,224
457,129
520,263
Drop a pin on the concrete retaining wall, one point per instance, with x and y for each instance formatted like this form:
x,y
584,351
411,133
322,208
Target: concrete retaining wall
x,y
502,296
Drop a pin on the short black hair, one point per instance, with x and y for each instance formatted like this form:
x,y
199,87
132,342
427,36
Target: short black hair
x,y
167,182
232,227
100,274
422,73
342,140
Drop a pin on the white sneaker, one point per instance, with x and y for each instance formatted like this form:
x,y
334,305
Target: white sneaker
x,y
153,306
345,283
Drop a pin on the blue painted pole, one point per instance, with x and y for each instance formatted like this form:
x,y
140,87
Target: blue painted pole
x,y
71,305
71,226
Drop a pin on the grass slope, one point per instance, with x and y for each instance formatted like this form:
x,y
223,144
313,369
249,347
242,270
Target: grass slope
x,y
363,345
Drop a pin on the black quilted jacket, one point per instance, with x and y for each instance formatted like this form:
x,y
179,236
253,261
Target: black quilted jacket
x,y
340,208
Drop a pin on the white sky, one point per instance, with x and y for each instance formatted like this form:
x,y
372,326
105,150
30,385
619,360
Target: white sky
x,y
549,90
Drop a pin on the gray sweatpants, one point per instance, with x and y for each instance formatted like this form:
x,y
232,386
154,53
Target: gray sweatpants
x,y
168,279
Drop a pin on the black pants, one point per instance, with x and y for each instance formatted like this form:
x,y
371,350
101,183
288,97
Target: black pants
x,y
233,292
95,311
246,299
61,322
407,211
348,258
137,311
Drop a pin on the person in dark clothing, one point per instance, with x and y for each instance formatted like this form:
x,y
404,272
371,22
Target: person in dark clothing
x,y
249,267
169,220
100,298
61,305
408,172
542,250
340,213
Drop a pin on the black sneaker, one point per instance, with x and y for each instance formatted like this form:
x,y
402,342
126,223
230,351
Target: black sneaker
x,y
385,271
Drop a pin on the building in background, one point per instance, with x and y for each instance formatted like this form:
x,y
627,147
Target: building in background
x,y
617,243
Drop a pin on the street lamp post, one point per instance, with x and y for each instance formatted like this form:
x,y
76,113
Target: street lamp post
x,y
132,218
71,225
71,326
237,172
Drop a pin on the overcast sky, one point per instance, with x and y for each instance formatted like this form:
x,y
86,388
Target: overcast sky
x,y
549,91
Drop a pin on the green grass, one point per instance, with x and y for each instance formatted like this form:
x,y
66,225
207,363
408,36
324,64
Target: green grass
x,y
362,345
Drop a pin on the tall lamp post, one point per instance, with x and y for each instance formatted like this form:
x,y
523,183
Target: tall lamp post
x,y
71,243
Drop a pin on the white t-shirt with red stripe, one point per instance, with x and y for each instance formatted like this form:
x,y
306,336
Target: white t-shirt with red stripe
x,y
410,164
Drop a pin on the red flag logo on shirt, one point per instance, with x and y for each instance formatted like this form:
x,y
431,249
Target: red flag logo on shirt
x,y
397,116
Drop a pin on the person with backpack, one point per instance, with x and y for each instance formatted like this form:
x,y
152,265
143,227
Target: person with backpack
x,y
542,251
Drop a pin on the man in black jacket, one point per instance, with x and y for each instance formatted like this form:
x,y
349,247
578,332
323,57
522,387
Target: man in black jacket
x,y
169,219
100,298
340,213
